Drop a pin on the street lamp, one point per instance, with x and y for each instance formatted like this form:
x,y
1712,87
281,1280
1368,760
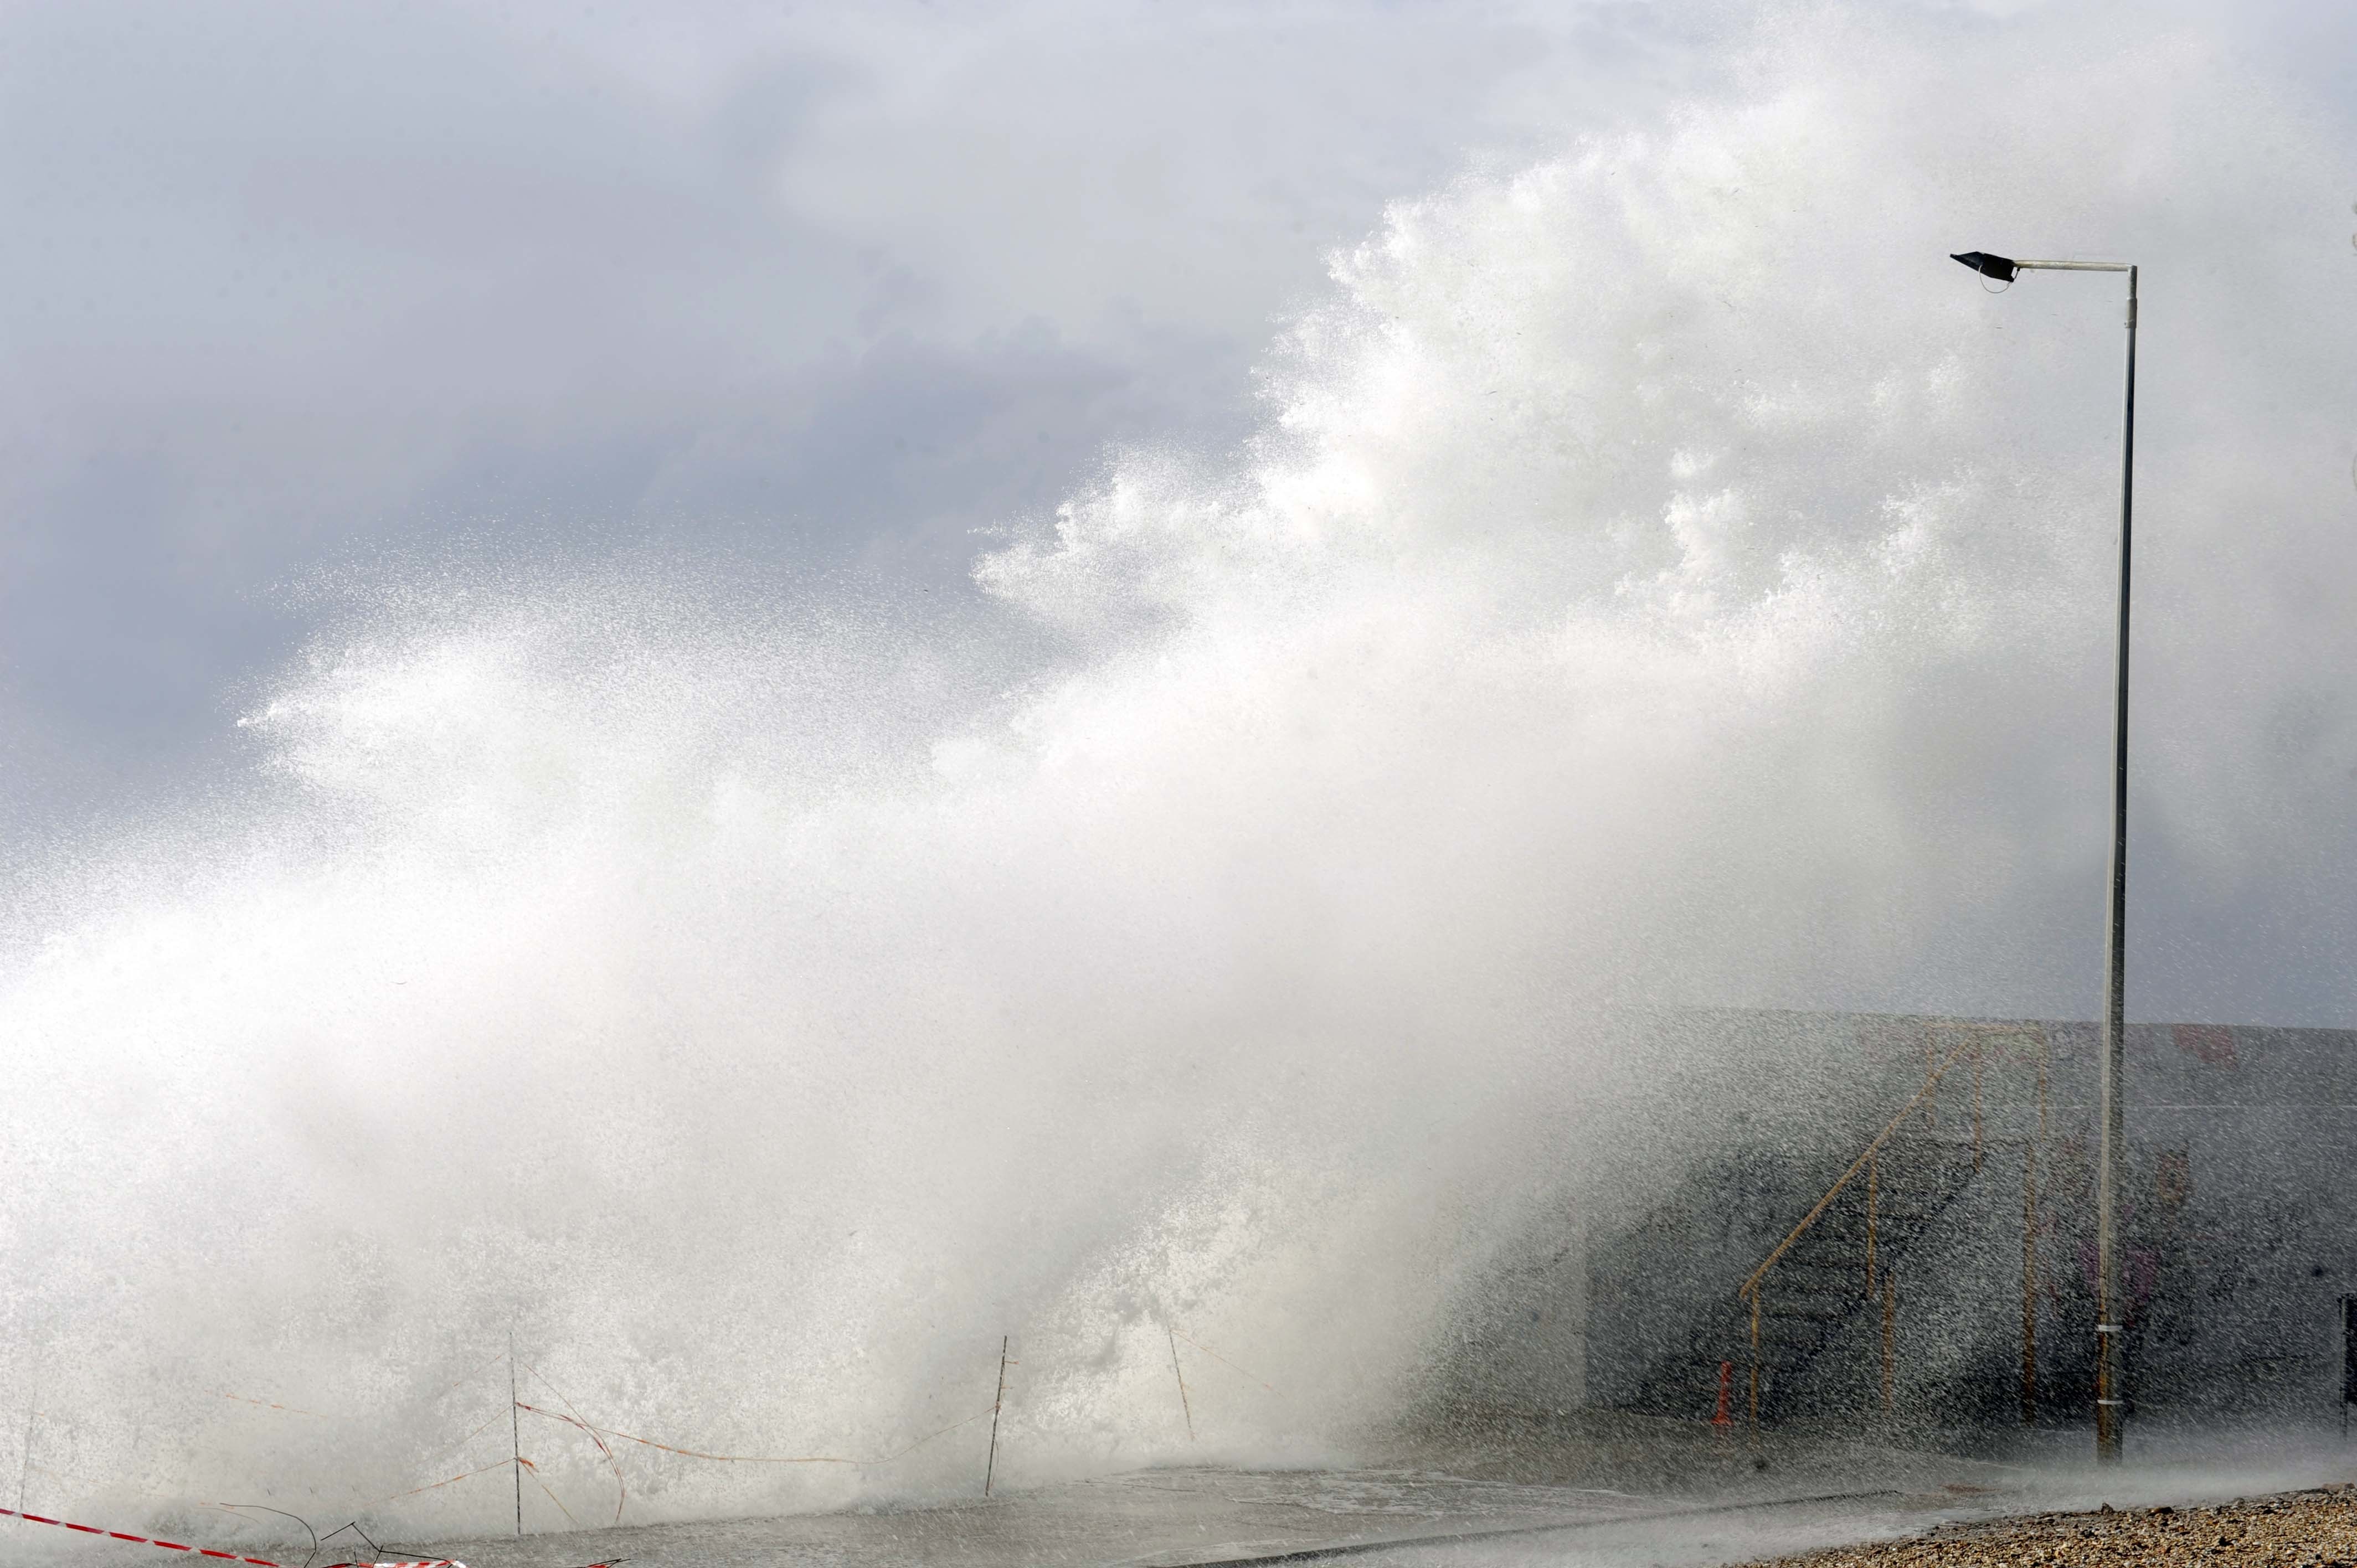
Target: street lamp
x,y
2108,1300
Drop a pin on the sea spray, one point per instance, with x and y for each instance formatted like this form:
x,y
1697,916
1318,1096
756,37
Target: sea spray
x,y
1660,580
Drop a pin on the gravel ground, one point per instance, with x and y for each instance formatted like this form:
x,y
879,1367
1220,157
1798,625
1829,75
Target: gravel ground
x,y
2296,1528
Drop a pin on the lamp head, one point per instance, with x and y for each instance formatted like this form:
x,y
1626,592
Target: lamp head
x,y
2001,268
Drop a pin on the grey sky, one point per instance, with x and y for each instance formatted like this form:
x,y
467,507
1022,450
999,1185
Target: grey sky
x,y
289,287
288,284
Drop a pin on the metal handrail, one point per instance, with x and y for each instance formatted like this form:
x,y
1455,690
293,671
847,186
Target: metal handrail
x,y
1976,1040
1745,1291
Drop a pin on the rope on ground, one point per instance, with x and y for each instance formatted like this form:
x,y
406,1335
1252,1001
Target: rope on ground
x,y
755,1459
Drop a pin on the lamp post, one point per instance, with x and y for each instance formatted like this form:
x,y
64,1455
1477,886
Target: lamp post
x,y
2109,1303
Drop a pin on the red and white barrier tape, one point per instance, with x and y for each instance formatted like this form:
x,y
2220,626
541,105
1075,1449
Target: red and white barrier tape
x,y
140,1539
207,1550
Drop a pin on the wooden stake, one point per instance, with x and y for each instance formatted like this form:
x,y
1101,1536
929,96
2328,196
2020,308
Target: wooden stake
x,y
1188,1409
997,1401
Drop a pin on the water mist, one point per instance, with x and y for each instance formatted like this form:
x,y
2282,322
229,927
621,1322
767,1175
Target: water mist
x,y
1658,580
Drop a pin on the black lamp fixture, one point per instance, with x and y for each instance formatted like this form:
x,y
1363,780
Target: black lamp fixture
x,y
2001,268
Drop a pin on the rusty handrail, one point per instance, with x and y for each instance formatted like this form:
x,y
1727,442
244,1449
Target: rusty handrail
x,y
1976,1039
1749,1286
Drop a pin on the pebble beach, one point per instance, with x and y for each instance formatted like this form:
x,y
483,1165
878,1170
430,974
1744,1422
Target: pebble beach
x,y
2309,1528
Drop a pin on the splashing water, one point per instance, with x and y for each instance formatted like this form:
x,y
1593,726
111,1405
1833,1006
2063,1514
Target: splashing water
x,y
761,997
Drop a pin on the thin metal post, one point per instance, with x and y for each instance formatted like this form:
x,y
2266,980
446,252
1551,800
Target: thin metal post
x,y
1980,1054
1184,1405
1755,1366
24,1465
2030,1286
997,1402
2348,1360
515,1435
2109,1306
2044,1056
1870,1165
1890,1340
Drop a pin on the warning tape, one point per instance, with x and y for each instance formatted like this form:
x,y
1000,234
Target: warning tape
x,y
141,1539
209,1551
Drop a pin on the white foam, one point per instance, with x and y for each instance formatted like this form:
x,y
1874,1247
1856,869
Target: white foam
x,y
1663,577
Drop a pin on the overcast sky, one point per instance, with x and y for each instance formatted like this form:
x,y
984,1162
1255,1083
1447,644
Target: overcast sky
x,y
286,286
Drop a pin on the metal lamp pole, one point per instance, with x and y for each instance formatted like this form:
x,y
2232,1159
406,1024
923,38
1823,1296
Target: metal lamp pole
x,y
2109,1405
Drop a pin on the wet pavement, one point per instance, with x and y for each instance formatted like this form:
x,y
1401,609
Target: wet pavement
x,y
1614,1494
1534,1492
